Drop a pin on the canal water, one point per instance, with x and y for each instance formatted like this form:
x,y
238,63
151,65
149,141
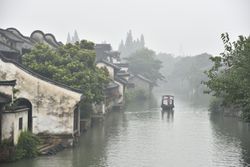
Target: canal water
x,y
144,137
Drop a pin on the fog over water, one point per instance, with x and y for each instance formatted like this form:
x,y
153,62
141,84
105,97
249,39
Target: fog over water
x,y
143,136
173,26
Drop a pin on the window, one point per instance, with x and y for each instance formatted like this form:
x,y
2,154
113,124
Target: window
x,y
20,123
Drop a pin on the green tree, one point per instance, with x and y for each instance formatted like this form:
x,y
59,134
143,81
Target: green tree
x,y
229,78
70,64
27,146
144,62
187,73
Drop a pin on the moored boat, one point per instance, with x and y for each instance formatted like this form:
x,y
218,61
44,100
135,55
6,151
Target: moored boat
x,y
167,102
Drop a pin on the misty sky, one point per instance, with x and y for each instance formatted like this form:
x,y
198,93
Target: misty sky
x,y
174,26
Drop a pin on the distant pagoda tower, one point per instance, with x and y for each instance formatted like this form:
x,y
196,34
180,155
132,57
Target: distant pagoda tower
x,y
73,39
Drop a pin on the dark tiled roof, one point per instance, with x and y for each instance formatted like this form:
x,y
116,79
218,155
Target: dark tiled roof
x,y
105,47
50,38
16,110
6,48
109,64
21,36
112,53
4,98
111,85
122,64
121,80
10,35
122,73
143,78
22,67
8,83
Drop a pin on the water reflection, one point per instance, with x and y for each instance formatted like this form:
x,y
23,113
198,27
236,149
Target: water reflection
x,y
145,136
231,140
169,114
143,105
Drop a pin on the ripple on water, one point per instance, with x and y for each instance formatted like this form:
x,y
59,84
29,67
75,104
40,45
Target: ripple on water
x,y
188,137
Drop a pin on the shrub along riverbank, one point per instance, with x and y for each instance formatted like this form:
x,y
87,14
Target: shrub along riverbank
x,y
25,148
229,77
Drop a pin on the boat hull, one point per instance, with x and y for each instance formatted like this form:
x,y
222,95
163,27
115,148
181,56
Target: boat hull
x,y
167,107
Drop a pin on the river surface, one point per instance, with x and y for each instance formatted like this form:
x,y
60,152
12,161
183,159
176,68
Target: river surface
x,y
144,137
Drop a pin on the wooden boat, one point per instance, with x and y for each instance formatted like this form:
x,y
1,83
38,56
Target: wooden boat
x,y
167,102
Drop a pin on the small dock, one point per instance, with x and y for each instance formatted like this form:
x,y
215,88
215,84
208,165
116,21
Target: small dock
x,y
50,145
50,149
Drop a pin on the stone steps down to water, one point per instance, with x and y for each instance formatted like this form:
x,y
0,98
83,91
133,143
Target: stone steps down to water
x,y
50,145
51,149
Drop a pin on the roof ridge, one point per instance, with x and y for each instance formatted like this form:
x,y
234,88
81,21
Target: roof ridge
x,y
25,69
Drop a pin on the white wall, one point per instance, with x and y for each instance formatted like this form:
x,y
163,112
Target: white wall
x,y
124,69
110,69
52,106
10,124
121,88
99,108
